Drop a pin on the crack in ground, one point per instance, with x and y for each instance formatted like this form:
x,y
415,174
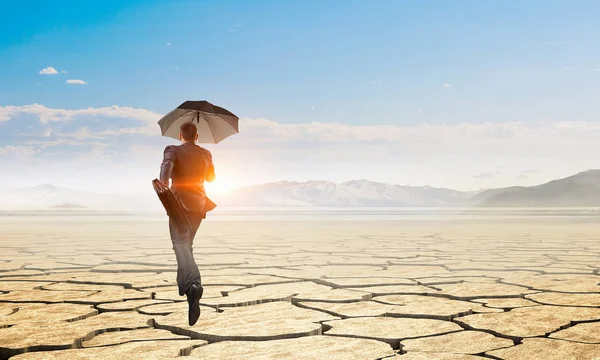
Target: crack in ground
x,y
394,343
77,343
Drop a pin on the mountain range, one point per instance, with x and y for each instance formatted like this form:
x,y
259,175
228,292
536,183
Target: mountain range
x,y
580,190
356,193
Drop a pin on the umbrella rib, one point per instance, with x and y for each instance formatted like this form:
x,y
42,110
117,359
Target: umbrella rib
x,y
180,116
212,132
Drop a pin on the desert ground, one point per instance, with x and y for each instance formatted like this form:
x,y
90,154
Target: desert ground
x,y
85,287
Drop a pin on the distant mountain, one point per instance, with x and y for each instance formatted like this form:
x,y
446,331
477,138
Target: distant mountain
x,y
580,190
358,193
484,196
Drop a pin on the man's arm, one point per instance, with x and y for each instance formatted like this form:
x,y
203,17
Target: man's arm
x,y
210,172
166,168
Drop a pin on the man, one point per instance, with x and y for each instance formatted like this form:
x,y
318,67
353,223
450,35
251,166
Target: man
x,y
188,166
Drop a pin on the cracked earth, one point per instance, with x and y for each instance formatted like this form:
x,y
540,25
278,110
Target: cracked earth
x,y
83,288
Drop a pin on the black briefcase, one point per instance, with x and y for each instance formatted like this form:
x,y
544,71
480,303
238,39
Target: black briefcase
x,y
174,209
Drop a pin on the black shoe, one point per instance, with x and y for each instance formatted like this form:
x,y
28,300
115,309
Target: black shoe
x,y
194,295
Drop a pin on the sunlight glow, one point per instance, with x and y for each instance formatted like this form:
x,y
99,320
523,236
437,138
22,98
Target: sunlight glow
x,y
220,186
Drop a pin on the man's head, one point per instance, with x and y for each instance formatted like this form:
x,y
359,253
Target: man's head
x,y
188,132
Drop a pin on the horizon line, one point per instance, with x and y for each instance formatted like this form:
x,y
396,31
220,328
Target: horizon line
x,y
327,181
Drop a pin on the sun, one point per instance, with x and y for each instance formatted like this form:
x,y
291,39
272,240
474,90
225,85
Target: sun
x,y
219,187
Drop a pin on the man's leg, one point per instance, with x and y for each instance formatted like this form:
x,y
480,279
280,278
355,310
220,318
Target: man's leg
x,y
187,270
195,221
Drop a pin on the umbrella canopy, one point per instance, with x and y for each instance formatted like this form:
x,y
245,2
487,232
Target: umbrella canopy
x,y
214,123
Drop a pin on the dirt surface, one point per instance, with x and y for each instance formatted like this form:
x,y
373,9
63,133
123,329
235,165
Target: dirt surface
x,y
93,287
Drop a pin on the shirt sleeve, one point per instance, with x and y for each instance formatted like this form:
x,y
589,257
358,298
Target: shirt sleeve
x,y
210,171
166,168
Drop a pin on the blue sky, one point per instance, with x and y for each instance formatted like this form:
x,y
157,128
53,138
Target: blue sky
x,y
483,75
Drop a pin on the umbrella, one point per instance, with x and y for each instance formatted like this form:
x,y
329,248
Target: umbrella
x,y
214,123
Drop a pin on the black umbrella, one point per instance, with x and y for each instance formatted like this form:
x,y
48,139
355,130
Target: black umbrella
x,y
214,122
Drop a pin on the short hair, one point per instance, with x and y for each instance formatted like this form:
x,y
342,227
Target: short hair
x,y
188,131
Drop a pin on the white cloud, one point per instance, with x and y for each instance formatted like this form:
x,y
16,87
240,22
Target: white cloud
x,y
62,142
147,130
63,72
76,81
17,151
46,114
82,133
6,113
447,85
270,131
451,155
267,131
48,71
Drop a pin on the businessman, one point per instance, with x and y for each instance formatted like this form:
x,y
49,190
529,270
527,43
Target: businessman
x,y
188,166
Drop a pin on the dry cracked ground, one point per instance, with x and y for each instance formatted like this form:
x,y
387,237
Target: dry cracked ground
x,y
104,288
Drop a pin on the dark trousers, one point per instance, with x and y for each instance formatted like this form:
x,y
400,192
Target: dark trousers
x,y
187,270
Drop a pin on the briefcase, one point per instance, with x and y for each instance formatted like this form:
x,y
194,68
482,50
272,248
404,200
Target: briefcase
x,y
174,209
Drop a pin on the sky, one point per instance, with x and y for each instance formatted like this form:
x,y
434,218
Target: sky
x,y
463,94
